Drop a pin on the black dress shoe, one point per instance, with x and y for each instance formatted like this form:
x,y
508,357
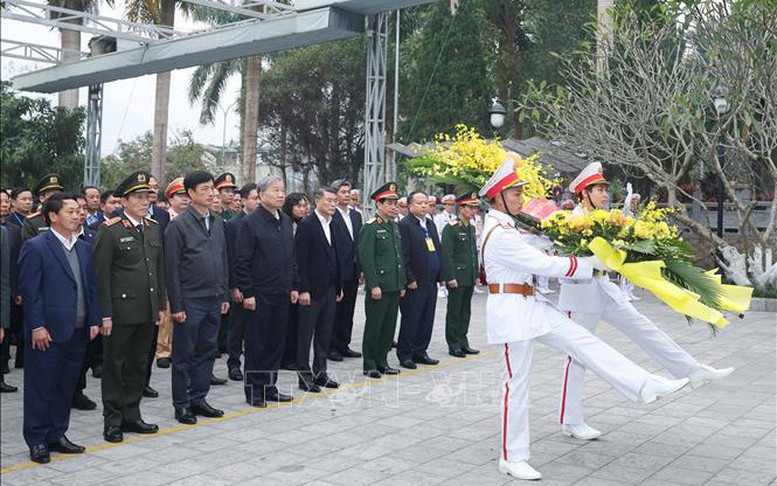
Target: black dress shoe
x,y
217,381
350,353
326,382
335,356
203,408
185,416
163,362
469,350
257,402
64,446
97,372
372,374
457,353
40,454
112,433
424,359
408,363
235,374
139,427
6,388
278,397
309,387
390,371
149,392
82,402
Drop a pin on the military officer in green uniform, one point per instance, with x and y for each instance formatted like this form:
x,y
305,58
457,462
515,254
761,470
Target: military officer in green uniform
x,y
225,184
459,257
34,223
380,252
129,263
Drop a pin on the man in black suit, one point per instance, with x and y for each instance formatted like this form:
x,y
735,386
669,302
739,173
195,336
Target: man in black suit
x,y
109,204
421,253
347,224
250,198
265,271
319,290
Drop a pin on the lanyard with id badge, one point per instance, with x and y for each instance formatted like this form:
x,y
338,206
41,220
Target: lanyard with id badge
x,y
429,241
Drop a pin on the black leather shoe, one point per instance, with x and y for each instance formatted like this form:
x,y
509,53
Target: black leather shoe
x,y
424,359
97,372
185,416
309,387
163,362
372,374
203,408
64,446
215,381
390,371
82,402
457,353
350,353
326,382
257,402
139,427
149,392
6,388
235,374
469,350
40,454
278,397
408,363
112,433
335,356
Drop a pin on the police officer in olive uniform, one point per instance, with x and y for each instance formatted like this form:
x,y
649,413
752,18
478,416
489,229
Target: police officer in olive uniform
x,y
380,252
129,262
34,223
459,255
225,184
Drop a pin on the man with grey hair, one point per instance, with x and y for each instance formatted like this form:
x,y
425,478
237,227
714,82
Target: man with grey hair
x,y
320,289
264,274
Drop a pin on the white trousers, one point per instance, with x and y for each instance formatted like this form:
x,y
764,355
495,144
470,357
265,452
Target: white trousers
x,y
626,318
610,365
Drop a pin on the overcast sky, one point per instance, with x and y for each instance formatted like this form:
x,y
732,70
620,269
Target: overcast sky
x,y
128,105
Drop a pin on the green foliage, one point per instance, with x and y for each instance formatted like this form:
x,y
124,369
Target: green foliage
x,y
184,155
37,138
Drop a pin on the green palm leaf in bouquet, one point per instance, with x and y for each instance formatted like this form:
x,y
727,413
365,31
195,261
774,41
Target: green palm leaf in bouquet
x,y
692,278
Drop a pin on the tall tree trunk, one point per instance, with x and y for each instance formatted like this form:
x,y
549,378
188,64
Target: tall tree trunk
x,y
251,120
70,42
162,102
604,40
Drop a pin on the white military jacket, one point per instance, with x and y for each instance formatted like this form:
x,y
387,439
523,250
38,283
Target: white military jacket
x,y
509,256
590,295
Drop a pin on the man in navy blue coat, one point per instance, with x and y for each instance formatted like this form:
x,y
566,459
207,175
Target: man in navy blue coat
x,y
62,313
421,252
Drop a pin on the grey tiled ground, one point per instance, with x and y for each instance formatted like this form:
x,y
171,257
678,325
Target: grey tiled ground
x,y
440,425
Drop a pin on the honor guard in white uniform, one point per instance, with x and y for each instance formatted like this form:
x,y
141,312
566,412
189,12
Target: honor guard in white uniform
x,y
591,300
516,317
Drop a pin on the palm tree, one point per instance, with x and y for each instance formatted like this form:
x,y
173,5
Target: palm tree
x,y
70,42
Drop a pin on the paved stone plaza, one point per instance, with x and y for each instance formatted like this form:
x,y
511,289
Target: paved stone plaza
x,y
440,424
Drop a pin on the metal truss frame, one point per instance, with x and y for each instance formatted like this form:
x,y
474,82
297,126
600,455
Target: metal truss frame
x,y
32,52
94,123
375,123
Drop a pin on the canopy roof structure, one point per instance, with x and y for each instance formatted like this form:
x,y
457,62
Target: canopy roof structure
x,y
277,27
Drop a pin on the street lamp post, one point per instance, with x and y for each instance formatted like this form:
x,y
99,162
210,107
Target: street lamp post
x,y
225,112
721,107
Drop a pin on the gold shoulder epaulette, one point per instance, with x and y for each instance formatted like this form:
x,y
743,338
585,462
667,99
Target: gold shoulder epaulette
x,y
372,220
33,215
112,221
454,222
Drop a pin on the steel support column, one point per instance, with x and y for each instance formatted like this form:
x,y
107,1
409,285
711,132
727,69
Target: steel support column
x,y
375,123
94,123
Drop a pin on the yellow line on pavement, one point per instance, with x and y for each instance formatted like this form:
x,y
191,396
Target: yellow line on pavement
x,y
367,383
